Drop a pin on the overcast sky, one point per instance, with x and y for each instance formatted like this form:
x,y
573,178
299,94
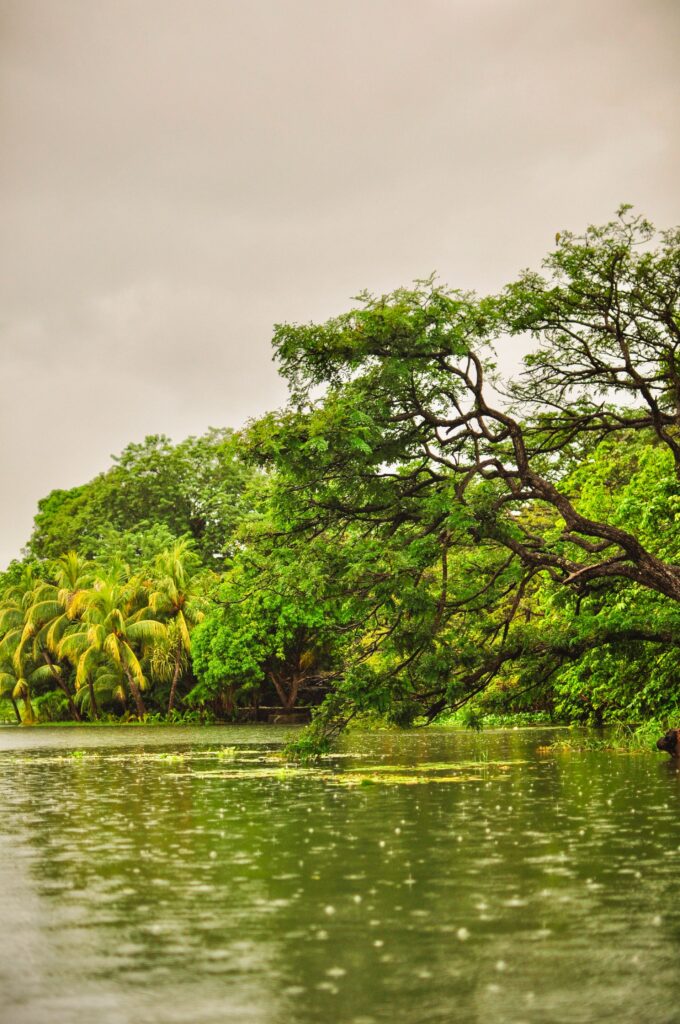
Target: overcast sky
x,y
178,175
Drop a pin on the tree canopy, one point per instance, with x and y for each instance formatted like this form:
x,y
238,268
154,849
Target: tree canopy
x,y
564,479
195,488
412,532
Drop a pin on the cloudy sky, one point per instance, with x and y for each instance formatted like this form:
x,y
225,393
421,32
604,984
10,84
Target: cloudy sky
x,y
178,175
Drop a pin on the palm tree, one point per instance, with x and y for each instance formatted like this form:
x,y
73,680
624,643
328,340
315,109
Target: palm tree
x,y
7,686
40,620
48,618
107,683
179,597
18,678
14,684
14,687
114,620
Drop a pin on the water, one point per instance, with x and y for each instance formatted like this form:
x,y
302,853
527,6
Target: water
x,y
144,879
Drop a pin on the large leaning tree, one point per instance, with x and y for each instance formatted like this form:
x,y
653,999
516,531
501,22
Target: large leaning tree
x,y
401,425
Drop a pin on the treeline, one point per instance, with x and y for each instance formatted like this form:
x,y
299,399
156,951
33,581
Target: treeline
x,y
411,535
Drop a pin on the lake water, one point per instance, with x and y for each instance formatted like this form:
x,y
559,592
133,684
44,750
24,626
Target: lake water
x,y
155,876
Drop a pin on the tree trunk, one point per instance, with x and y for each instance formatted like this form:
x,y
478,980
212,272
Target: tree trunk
x,y
224,705
16,710
293,691
175,679
228,701
29,716
278,686
71,703
287,695
136,693
93,702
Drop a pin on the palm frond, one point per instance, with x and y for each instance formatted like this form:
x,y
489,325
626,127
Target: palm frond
x,y
11,617
73,645
129,659
7,684
146,630
43,592
78,603
112,647
114,622
96,634
86,667
183,631
9,643
21,689
24,642
43,674
56,631
43,611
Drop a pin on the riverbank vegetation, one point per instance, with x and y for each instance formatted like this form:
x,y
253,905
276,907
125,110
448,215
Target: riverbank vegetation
x,y
413,534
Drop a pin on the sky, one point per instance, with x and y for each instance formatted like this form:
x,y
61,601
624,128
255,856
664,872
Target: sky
x,y
178,175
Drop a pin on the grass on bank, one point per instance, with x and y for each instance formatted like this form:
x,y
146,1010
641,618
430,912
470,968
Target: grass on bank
x,y
471,718
621,737
632,737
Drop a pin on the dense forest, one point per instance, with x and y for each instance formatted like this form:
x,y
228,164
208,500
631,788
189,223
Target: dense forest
x,y
413,534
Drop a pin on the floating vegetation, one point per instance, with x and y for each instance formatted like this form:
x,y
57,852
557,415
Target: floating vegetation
x,y
415,775
447,766
409,777
248,763
381,774
397,776
282,773
248,755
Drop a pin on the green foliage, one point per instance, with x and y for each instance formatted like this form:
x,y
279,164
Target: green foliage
x,y
76,641
411,537
542,533
154,493
278,627
51,707
620,737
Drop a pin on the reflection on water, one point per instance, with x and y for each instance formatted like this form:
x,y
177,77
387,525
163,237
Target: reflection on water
x,y
149,876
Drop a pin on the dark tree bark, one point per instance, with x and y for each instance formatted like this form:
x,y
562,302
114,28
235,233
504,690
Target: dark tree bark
x,y
175,679
136,693
16,710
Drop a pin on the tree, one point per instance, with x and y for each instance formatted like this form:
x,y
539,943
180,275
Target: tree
x,y
47,618
294,614
17,675
414,434
406,377
273,626
8,684
100,628
179,596
196,488
115,619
